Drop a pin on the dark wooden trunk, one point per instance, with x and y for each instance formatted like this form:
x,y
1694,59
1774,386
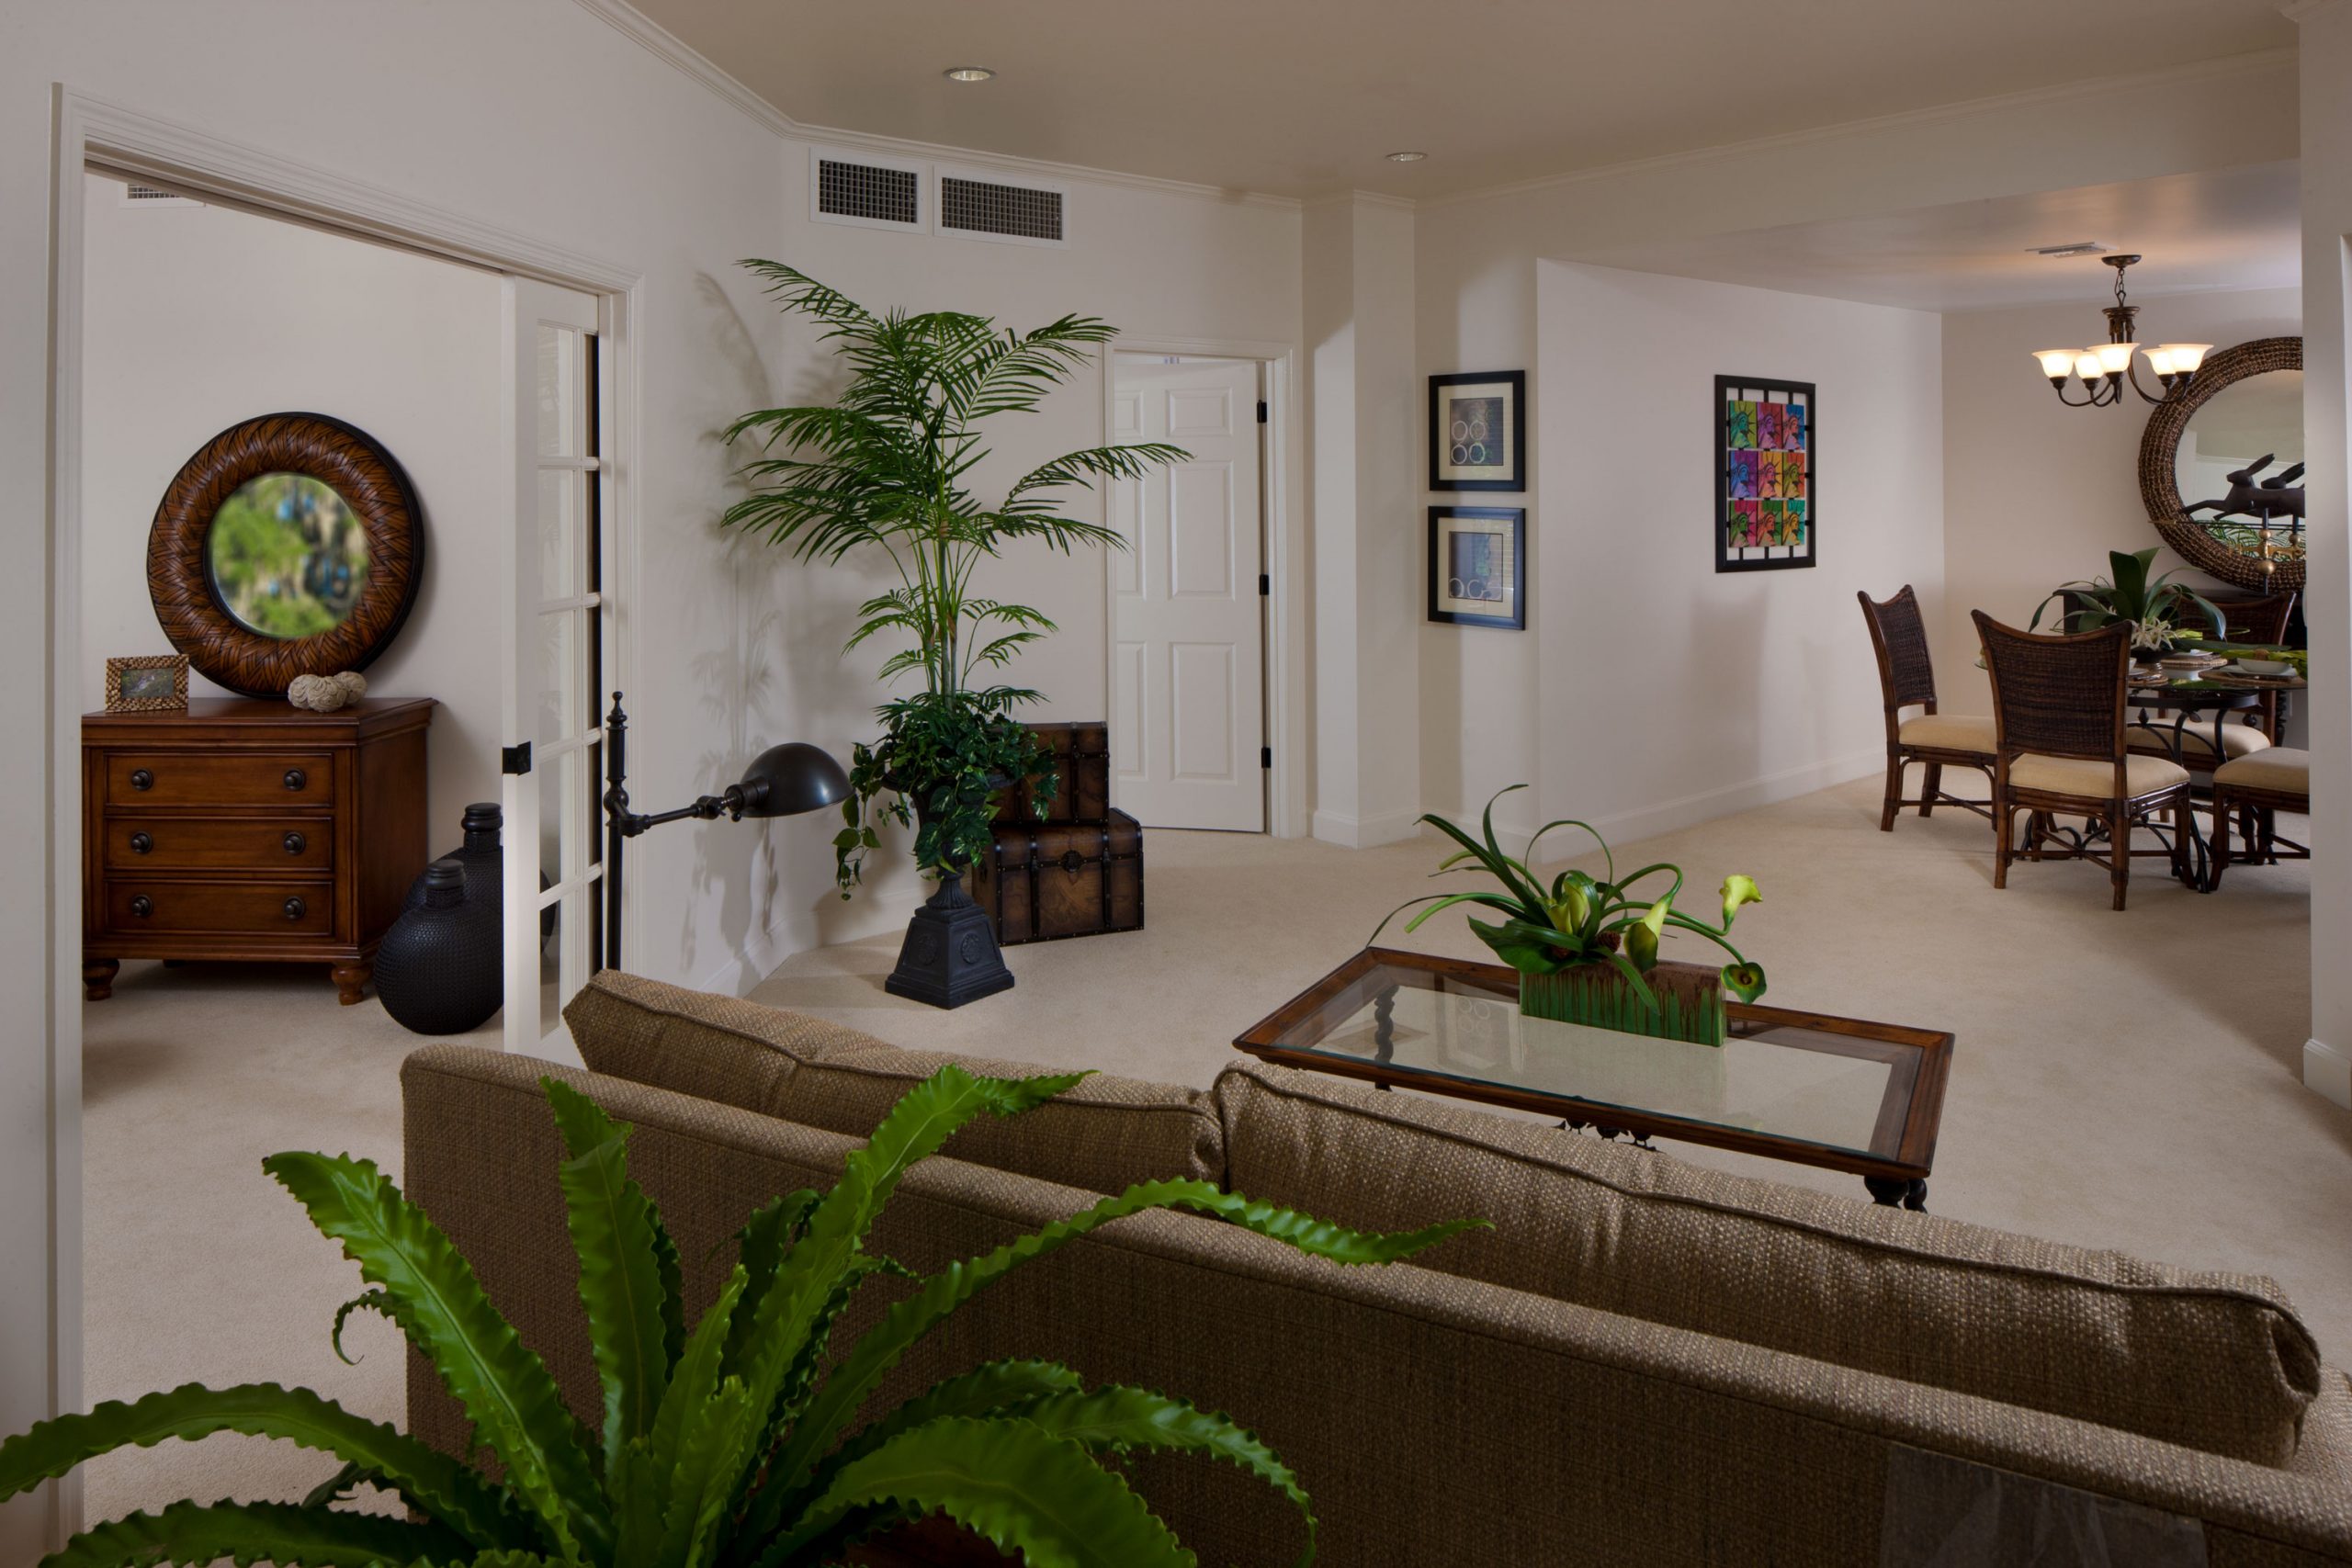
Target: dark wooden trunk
x,y
1045,880
1081,763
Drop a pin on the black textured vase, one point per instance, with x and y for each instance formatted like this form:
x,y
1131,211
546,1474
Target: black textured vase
x,y
950,955
435,974
483,859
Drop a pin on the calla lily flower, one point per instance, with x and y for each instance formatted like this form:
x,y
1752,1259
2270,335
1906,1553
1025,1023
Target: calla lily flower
x,y
1744,982
1738,890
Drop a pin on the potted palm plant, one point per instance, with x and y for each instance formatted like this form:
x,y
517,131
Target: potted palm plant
x,y
734,1443
879,475
1586,947
2158,610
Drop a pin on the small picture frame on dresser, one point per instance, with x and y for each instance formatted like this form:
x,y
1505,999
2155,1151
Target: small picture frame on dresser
x,y
147,682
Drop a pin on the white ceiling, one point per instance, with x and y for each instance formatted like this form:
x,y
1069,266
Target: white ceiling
x,y
1303,96
2228,228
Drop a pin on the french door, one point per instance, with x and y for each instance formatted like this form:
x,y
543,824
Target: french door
x,y
558,629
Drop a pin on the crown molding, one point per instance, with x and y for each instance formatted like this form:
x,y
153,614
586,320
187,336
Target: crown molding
x,y
2301,11
2196,73
1360,198
669,47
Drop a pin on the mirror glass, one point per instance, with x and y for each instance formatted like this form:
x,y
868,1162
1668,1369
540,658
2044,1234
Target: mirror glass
x,y
287,555
2234,426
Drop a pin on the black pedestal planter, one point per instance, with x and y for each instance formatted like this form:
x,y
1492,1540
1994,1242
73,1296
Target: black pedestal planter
x,y
950,955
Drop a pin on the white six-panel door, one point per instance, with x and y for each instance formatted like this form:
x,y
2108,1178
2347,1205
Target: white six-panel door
x,y
1187,638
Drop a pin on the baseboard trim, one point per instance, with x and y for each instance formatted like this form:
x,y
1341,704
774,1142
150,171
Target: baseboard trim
x,y
1365,833
1689,810
2328,1071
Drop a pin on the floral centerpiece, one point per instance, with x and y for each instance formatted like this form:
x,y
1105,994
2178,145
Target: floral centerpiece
x,y
1586,947
2158,610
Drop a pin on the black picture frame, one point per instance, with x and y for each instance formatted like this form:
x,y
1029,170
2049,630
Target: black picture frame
x,y
1515,469
1444,605
1724,443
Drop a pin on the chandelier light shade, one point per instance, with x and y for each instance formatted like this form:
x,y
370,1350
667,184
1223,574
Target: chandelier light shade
x,y
2103,367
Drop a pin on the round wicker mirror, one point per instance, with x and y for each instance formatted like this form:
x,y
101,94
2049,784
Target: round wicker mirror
x,y
289,545
2234,412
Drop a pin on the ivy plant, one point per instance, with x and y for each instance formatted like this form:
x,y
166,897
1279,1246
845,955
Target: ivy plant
x,y
732,1444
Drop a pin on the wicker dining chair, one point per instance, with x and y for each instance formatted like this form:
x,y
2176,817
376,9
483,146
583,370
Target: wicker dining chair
x,y
2253,791
1906,678
2058,710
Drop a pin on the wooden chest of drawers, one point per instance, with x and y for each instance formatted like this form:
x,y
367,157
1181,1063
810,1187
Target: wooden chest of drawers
x,y
248,829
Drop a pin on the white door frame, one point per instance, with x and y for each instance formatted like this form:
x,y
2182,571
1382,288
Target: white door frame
x,y
1284,559
91,133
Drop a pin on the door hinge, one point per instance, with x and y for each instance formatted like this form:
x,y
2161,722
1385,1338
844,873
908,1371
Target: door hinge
x,y
1265,756
1265,584
1261,410
514,758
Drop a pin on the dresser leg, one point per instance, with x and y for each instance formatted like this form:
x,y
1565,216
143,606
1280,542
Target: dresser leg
x,y
97,978
351,982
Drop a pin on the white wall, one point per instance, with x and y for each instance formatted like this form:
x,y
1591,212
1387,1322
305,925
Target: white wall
x,y
2035,494
198,317
2326,60
1668,692
1476,260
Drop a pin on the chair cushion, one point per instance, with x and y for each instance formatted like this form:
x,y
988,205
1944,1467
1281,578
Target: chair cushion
x,y
1949,732
714,1047
2143,774
1105,1134
2216,1362
2282,770
2197,740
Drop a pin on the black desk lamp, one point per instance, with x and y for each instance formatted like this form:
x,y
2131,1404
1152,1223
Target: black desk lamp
x,y
781,781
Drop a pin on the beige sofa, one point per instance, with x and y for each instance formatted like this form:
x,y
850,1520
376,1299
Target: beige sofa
x,y
1642,1362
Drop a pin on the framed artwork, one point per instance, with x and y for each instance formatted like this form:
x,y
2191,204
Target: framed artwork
x,y
1764,434
150,682
1478,431
1479,566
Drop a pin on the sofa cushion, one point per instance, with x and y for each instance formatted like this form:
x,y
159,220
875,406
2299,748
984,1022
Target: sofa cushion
x,y
1105,1134
2215,1361
715,1047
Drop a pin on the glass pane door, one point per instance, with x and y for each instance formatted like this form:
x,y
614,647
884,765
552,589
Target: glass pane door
x,y
559,618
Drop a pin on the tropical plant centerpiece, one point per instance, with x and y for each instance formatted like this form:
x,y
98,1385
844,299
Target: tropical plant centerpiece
x,y
1586,947
732,1444
2158,610
879,475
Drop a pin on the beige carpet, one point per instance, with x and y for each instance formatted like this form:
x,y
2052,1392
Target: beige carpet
x,y
2129,1081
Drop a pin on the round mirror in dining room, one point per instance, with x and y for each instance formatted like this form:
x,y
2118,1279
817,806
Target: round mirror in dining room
x,y
2220,467
289,545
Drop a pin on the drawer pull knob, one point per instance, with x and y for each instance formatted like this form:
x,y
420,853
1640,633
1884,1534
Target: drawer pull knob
x,y
142,779
142,906
296,908
296,778
296,843
141,844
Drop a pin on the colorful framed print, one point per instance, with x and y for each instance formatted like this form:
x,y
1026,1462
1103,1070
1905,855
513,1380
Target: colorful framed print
x,y
1763,435
1479,566
147,682
1478,431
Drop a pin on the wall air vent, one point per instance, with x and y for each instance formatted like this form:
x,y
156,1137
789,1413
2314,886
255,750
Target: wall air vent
x,y
137,194
981,209
877,193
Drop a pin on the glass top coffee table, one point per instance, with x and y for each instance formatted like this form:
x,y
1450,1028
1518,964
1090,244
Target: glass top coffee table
x,y
1837,1093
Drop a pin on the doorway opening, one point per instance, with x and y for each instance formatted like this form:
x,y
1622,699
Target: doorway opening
x,y
1190,596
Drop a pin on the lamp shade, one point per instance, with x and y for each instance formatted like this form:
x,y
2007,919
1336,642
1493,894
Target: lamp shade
x,y
2055,361
787,779
2160,359
2114,358
2087,367
2186,357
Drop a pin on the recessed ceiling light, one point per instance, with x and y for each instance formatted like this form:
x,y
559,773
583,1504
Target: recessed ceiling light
x,y
1407,157
968,73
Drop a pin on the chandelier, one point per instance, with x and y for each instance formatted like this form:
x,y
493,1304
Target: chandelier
x,y
2103,367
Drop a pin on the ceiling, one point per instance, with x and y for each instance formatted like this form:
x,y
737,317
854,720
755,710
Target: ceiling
x,y
1304,96
2226,229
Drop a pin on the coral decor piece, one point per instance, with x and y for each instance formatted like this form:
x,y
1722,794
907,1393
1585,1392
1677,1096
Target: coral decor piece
x,y
324,693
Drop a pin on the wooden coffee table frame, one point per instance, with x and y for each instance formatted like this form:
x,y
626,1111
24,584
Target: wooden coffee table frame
x,y
1922,1054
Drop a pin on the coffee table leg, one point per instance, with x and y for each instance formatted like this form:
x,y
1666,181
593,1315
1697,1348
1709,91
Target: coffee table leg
x,y
1898,1191
1384,1023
